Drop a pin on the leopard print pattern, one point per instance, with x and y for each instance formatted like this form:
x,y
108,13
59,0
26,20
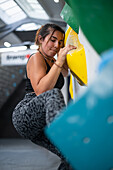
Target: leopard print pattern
x,y
33,113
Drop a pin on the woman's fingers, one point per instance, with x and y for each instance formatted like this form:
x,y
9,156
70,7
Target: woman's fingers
x,y
70,47
63,51
67,48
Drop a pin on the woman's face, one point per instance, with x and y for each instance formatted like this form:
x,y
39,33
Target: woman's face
x,y
52,43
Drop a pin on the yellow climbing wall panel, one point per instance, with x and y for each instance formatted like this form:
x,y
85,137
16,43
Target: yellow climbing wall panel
x,y
76,59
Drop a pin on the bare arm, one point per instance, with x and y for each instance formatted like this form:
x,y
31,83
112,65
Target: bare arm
x,y
65,69
36,70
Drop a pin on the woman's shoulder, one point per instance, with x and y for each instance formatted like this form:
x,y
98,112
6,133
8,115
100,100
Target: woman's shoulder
x,y
37,60
35,54
35,57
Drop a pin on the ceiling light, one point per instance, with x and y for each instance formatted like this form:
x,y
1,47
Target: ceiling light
x,y
33,47
28,27
19,48
56,1
7,44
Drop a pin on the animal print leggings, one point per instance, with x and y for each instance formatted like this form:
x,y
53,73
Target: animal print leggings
x,y
33,113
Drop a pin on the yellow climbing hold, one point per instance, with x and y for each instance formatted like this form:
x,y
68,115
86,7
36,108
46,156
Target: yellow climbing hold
x,y
76,59
71,87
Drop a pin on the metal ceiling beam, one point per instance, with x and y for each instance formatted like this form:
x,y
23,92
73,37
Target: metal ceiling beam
x,y
4,31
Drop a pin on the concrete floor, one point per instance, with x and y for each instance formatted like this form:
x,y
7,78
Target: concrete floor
x,y
21,154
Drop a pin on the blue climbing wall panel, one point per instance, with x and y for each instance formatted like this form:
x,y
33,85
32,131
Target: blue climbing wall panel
x,y
84,131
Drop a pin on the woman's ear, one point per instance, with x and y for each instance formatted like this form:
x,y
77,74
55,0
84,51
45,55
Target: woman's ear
x,y
40,39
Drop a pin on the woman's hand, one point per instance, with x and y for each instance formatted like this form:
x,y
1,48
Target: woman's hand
x,y
61,58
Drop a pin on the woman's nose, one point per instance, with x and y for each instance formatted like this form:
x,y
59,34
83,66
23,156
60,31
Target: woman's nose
x,y
57,44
